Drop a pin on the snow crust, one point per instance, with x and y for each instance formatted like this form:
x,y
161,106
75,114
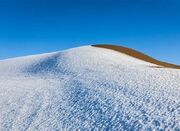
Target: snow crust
x,y
87,88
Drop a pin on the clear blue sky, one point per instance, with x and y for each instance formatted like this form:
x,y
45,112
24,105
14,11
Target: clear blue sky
x,y
38,26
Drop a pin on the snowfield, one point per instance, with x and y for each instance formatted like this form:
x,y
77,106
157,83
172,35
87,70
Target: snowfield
x,y
87,88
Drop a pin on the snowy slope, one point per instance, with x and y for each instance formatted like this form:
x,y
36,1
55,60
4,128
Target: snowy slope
x,y
87,88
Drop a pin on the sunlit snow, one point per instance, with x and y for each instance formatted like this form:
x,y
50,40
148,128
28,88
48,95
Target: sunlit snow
x,y
87,88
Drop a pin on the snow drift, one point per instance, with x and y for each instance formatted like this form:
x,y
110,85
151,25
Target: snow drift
x,y
88,88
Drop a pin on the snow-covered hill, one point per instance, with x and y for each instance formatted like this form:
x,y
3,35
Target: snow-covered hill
x,y
87,88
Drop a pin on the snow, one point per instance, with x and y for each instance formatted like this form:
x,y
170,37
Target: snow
x,y
87,88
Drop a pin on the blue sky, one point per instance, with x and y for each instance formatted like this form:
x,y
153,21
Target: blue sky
x,y
38,26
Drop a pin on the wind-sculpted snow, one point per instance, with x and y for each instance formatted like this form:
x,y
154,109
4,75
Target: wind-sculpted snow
x,y
87,88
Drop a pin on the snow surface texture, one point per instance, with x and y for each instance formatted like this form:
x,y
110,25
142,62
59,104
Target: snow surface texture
x,y
87,88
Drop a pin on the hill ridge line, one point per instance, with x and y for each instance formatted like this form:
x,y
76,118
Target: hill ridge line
x,y
138,55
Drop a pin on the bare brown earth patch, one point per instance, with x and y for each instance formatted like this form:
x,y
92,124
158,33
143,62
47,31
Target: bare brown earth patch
x,y
138,55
